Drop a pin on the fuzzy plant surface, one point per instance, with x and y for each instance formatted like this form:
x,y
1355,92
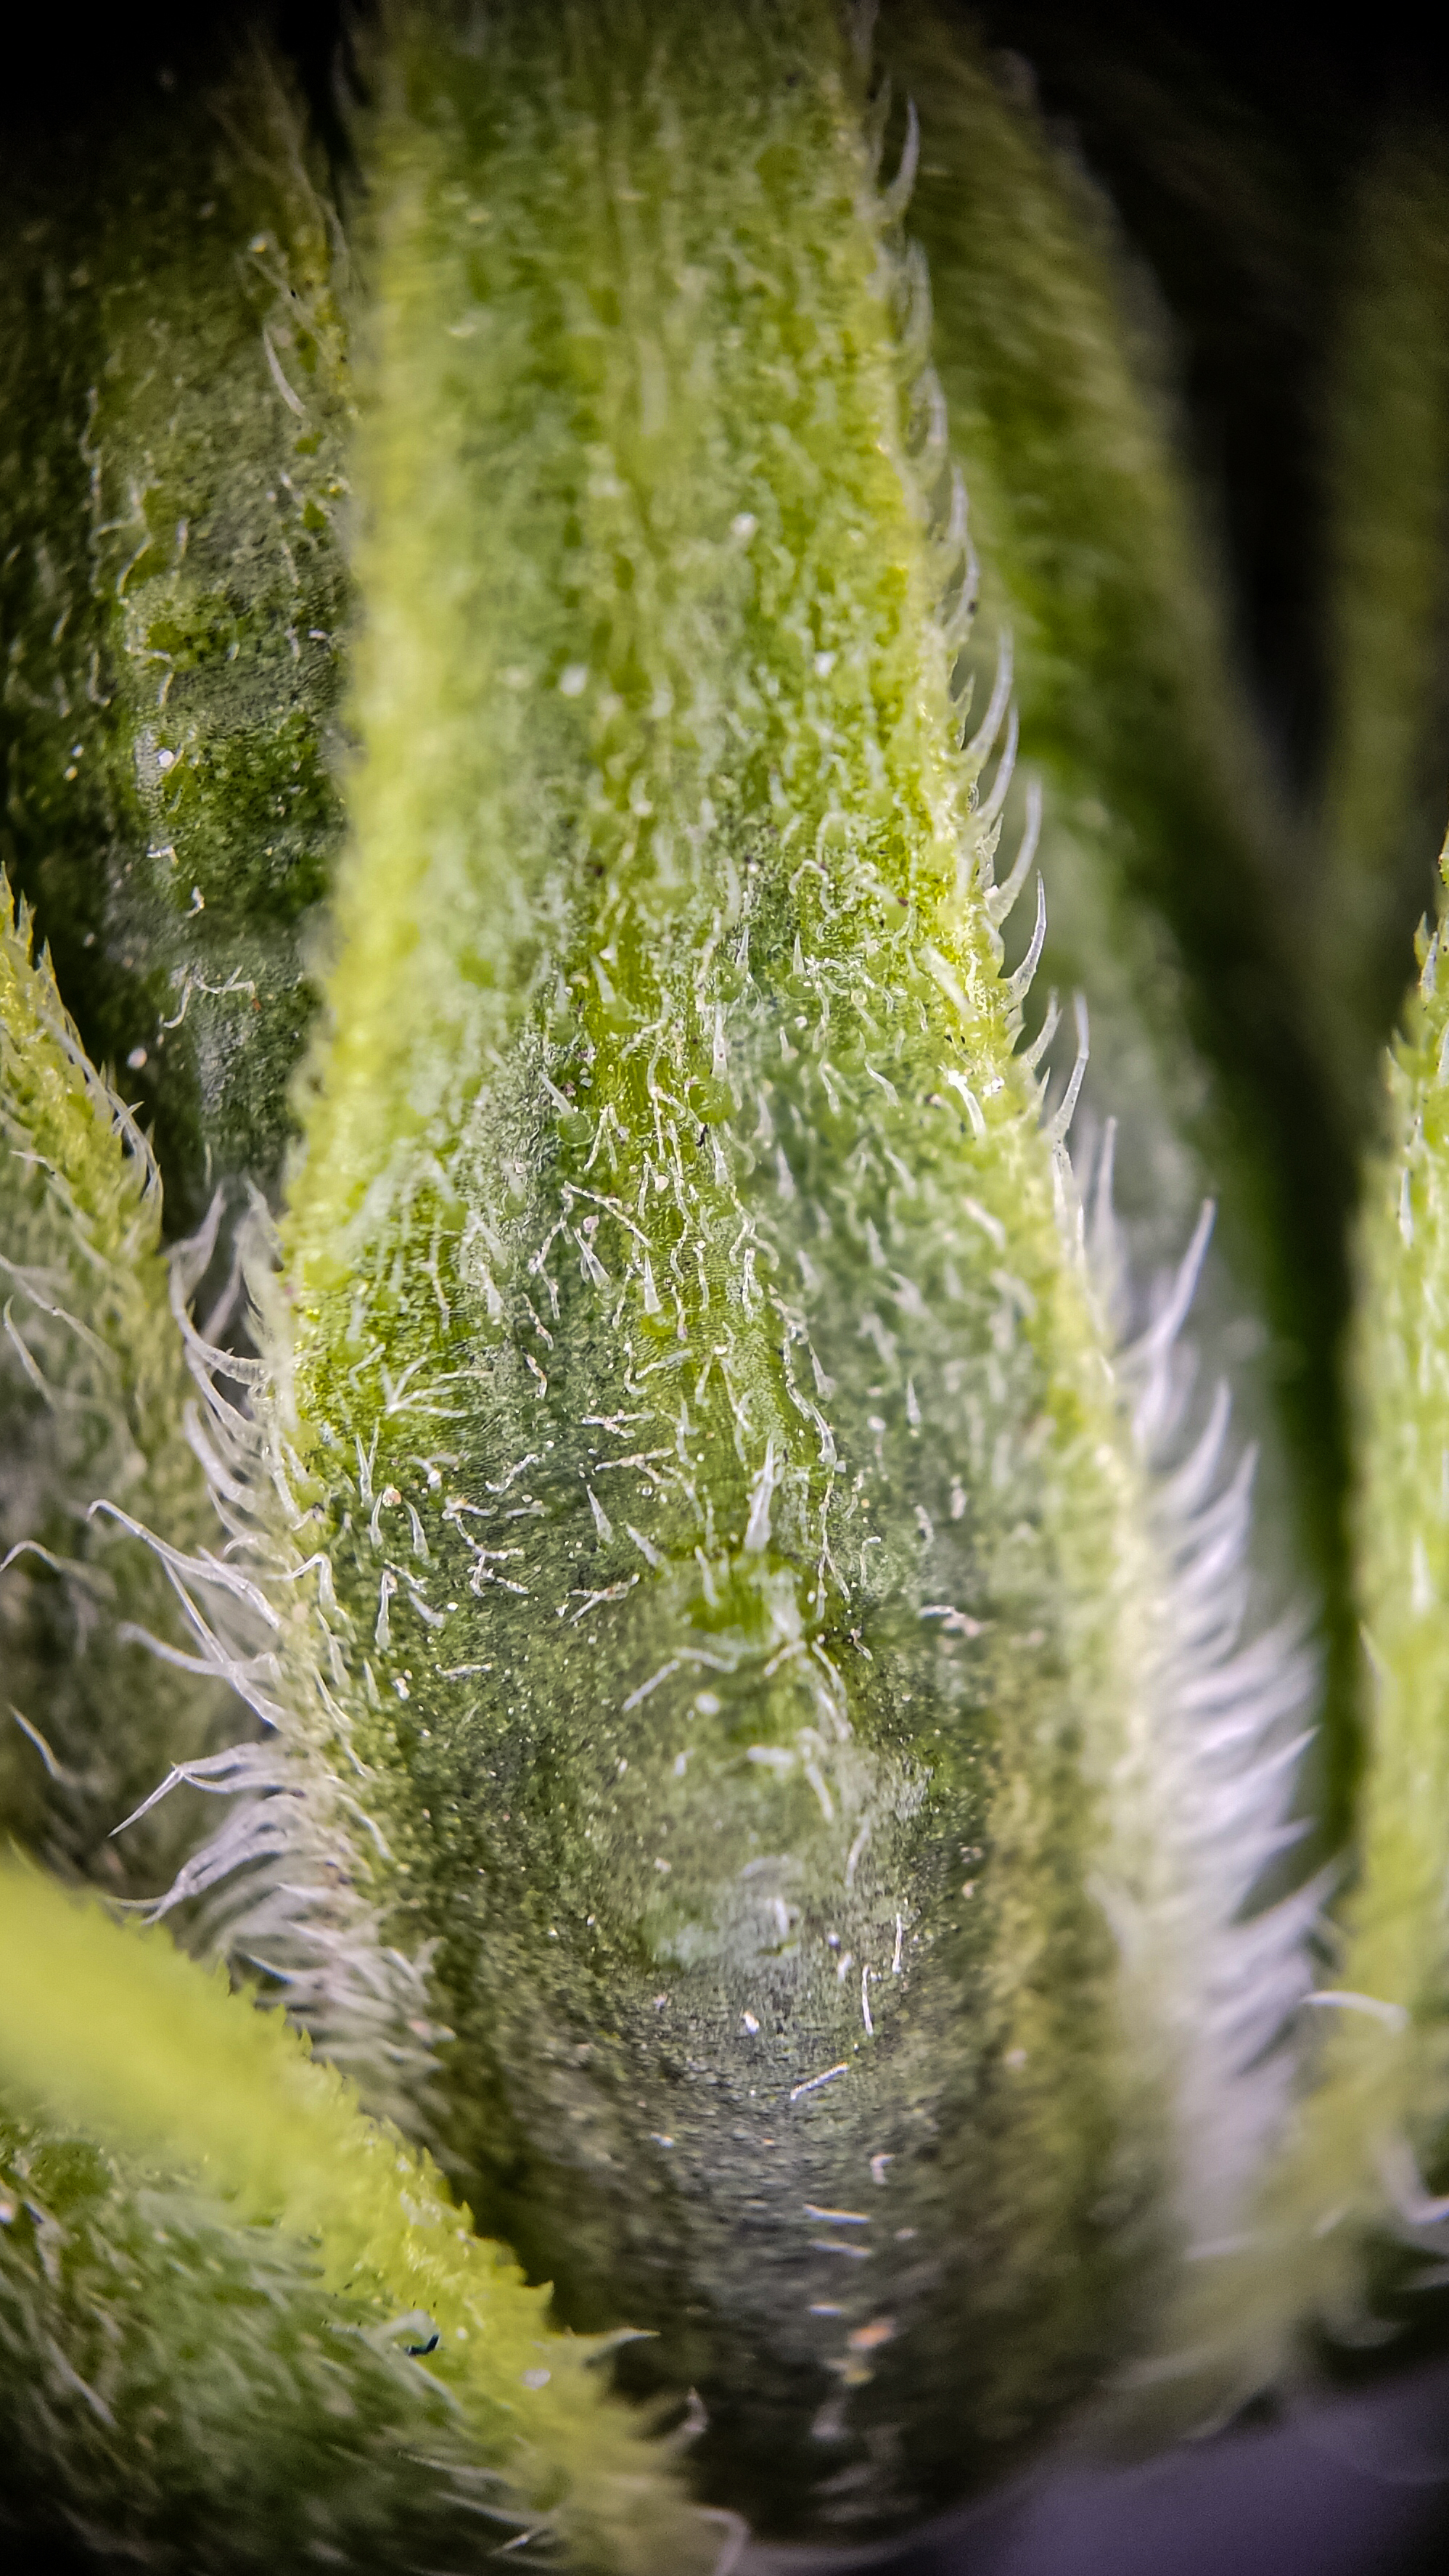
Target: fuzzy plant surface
x,y
695,1391
648,1600
1389,469
174,595
96,1398
1162,817
1351,2222
238,2321
1381,2082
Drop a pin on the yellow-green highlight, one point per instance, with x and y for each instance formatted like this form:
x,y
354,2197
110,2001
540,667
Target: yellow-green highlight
x,y
115,2031
93,1394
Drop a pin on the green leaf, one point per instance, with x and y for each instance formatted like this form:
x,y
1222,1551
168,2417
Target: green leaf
x,y
754,1765
94,1392
172,479
1388,474
749,1685
1166,834
237,2318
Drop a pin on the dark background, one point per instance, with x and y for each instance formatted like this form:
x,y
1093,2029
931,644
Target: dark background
x,y
1351,2487
1228,137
